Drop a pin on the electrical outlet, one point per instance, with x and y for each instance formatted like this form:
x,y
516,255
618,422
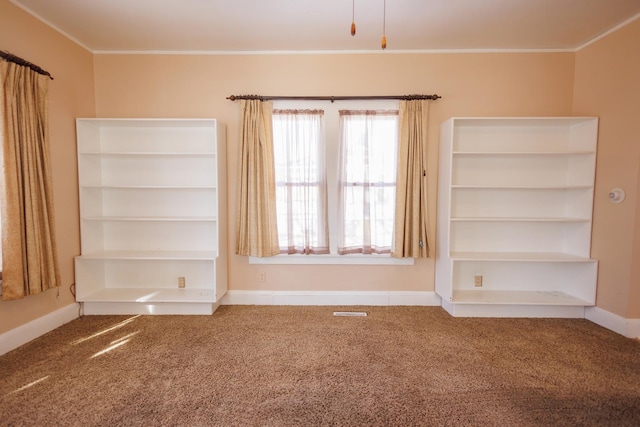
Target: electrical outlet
x,y
262,276
181,282
478,281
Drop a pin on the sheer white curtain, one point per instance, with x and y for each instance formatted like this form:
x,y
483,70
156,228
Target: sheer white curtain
x,y
301,186
367,179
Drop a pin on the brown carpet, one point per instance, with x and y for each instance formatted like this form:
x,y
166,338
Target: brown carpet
x,y
300,366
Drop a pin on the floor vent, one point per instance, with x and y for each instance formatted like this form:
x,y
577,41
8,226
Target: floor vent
x,y
350,313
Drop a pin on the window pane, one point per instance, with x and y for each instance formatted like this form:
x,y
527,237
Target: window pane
x,y
300,181
367,181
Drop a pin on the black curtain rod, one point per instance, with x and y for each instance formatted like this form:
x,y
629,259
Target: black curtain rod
x,y
332,98
9,57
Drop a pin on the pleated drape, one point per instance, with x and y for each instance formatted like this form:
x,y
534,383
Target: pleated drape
x,y
29,256
256,221
410,234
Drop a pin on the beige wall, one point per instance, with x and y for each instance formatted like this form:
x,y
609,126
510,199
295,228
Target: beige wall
x,y
607,84
196,86
70,95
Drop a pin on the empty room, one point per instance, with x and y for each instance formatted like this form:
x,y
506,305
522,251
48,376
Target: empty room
x,y
304,212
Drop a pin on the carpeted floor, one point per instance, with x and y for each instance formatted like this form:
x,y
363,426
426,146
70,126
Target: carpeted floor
x,y
301,366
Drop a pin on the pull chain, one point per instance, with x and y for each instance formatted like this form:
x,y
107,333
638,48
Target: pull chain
x,y
384,25
353,18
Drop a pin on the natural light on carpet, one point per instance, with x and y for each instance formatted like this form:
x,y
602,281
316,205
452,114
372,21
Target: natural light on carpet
x,y
115,344
31,384
114,327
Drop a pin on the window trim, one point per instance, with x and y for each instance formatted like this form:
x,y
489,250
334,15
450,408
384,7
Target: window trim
x,y
331,259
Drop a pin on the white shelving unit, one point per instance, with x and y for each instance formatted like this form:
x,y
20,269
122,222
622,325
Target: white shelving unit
x,y
515,200
152,216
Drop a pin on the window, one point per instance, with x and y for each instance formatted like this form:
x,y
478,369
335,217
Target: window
x,y
367,180
301,187
342,187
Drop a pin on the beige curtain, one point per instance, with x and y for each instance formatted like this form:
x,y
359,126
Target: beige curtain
x,y
29,258
410,234
256,221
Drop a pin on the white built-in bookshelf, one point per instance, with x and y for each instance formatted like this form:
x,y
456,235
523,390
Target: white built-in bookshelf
x,y
515,199
152,211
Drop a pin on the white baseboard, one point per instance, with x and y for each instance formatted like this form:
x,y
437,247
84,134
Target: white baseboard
x,y
630,328
382,298
29,331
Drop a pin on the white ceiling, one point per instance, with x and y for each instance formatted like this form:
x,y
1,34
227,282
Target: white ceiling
x,y
323,25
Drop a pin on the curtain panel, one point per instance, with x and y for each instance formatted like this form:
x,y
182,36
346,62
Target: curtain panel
x,y
256,220
410,236
29,254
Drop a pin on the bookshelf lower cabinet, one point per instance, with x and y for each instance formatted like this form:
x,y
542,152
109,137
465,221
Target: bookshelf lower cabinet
x,y
135,284
496,288
515,281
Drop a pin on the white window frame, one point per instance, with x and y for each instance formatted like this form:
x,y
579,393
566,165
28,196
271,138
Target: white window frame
x,y
332,135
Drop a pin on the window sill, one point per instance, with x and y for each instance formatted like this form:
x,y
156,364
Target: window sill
x,y
355,259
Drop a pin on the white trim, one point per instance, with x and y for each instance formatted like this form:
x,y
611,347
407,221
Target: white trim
x,y
633,328
379,298
355,259
326,52
248,298
606,33
630,328
51,25
414,298
29,331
